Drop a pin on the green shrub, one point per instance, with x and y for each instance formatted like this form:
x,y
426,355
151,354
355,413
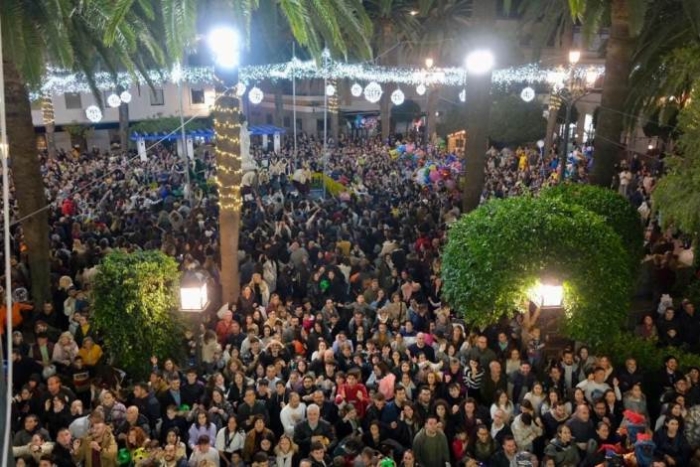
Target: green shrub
x,y
497,252
618,212
648,355
135,297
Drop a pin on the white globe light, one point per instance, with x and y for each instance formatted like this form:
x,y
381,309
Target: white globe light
x,y
125,97
540,144
114,101
330,90
527,94
397,97
255,95
373,92
240,89
480,62
224,44
420,89
93,113
463,95
356,90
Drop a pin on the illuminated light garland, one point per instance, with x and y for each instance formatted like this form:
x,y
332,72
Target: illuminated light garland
x,y
125,97
397,97
255,96
356,90
47,111
463,95
373,92
114,101
420,89
240,89
330,90
93,113
527,94
61,82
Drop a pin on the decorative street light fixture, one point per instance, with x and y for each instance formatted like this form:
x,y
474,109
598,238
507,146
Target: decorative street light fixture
x,y
573,91
548,294
194,296
479,62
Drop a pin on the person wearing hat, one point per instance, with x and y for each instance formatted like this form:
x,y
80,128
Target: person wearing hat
x,y
98,447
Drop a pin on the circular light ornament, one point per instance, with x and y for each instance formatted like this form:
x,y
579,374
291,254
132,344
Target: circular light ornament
x,y
540,143
255,95
527,94
125,97
330,90
373,92
356,90
463,95
93,113
240,89
480,62
114,101
397,97
420,89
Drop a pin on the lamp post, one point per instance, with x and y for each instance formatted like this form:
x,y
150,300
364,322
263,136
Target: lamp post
x,y
194,296
326,55
428,64
547,294
570,94
177,77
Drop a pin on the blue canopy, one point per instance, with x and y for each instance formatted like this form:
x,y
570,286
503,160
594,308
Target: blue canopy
x,y
259,130
256,130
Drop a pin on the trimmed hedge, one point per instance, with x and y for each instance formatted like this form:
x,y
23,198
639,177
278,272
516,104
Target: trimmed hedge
x,y
618,212
497,252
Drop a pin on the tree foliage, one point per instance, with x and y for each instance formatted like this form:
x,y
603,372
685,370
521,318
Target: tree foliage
x,y
677,195
514,121
618,213
499,251
136,308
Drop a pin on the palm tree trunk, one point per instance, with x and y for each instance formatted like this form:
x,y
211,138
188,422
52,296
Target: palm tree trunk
x,y
279,106
554,103
124,126
47,114
478,110
431,119
228,162
615,88
385,111
29,185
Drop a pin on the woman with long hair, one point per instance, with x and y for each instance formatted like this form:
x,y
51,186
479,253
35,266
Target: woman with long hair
x,y
201,426
229,439
286,452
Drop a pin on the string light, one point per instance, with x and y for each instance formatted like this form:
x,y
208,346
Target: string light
x,y
527,94
93,113
330,90
255,96
373,92
47,111
125,97
356,90
61,81
114,101
397,97
240,89
463,95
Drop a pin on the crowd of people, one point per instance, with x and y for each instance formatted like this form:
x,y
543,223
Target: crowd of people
x,y
339,350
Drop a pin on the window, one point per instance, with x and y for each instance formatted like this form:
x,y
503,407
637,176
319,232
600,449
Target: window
x,y
268,119
300,127
73,100
157,97
197,96
287,122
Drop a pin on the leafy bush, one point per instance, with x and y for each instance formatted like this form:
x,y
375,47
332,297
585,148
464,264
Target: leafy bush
x,y
497,252
618,212
136,308
626,345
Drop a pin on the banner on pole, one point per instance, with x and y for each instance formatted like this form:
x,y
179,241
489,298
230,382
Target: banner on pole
x,y
141,145
277,142
190,148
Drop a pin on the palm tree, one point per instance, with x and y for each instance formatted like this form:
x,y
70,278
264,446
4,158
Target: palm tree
x,y
338,25
78,35
444,29
48,117
478,110
395,29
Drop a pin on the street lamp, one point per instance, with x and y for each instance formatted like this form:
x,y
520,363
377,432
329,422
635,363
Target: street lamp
x,y
573,91
224,44
428,62
194,296
479,62
549,294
